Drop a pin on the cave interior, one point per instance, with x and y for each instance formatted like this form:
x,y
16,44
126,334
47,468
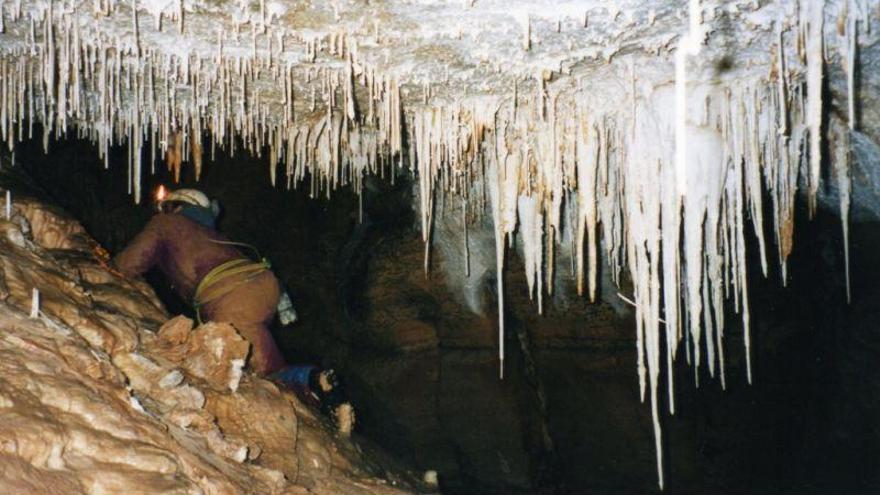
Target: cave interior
x,y
371,251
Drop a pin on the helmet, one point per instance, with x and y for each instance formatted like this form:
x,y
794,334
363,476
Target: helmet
x,y
188,196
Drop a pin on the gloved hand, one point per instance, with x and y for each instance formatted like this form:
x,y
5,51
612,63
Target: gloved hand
x,y
286,312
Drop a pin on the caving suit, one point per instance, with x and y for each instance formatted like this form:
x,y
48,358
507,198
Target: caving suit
x,y
184,245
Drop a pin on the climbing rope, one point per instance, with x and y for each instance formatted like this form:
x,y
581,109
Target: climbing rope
x,y
224,271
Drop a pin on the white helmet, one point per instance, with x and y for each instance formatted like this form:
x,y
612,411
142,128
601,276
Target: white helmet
x,y
192,197
189,196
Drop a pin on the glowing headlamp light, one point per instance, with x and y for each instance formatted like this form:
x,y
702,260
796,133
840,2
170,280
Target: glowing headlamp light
x,y
161,194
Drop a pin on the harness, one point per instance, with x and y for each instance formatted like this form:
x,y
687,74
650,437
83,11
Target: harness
x,y
244,267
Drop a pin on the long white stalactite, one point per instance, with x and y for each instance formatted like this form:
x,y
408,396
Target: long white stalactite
x,y
814,35
664,170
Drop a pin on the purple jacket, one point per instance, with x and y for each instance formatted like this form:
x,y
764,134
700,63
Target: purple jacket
x,y
180,247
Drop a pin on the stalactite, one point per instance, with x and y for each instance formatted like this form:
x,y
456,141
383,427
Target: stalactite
x,y
531,223
196,151
587,165
688,45
842,161
180,16
850,65
815,67
174,154
466,250
752,165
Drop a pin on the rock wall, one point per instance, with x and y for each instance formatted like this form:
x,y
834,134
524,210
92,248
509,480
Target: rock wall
x,y
97,395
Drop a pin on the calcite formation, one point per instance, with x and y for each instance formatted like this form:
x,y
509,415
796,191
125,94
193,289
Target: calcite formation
x,y
659,126
214,352
99,394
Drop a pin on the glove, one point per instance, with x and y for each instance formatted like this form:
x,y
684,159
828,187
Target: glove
x,y
286,313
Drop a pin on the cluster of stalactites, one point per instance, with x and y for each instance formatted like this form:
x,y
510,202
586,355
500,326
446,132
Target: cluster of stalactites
x,y
673,216
67,77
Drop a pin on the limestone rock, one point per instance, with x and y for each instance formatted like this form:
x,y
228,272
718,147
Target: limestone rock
x,y
213,352
50,229
260,413
176,330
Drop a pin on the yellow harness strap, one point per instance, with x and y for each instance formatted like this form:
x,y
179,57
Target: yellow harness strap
x,y
223,271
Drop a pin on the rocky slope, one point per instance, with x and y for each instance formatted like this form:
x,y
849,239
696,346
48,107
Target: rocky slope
x,y
100,393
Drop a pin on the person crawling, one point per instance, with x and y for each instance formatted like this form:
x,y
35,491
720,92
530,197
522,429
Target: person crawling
x,y
223,285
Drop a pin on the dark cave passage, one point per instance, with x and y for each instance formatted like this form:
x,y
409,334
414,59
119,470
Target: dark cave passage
x,y
422,372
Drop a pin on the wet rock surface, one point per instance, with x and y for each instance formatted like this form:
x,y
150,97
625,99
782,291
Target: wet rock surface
x,y
98,394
